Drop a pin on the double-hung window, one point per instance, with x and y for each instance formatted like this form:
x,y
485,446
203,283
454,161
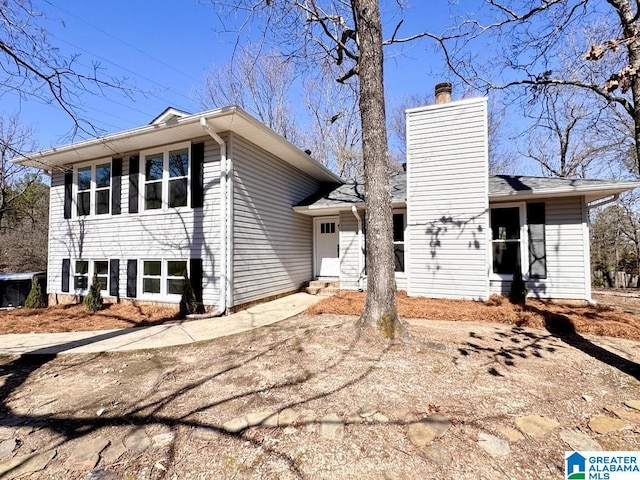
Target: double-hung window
x,y
83,272
506,239
166,181
93,185
163,277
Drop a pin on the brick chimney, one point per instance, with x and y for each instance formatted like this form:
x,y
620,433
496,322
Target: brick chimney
x,y
443,93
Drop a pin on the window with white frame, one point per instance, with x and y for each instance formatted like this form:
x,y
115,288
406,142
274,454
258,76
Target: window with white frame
x,y
163,277
93,189
166,182
83,272
506,239
81,275
399,225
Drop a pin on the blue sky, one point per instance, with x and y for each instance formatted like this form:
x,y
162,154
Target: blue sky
x,y
164,48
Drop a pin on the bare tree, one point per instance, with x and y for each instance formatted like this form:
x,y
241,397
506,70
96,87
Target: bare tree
x,y
351,35
32,67
589,46
258,82
15,179
568,137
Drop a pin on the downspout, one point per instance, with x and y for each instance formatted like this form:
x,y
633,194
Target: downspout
x,y
354,210
224,227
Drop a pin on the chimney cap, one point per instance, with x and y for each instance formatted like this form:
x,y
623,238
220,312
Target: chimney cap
x,y
443,92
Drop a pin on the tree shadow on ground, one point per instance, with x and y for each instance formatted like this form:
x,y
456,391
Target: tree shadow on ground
x,y
151,410
561,327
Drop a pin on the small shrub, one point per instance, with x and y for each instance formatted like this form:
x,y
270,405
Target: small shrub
x,y
188,302
93,300
518,291
35,299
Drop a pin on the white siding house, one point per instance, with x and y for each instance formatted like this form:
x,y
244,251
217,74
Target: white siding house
x,y
246,215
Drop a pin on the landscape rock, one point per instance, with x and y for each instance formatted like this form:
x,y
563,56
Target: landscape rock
x,y
267,419
602,424
25,465
493,445
367,411
137,440
579,441
86,455
102,474
287,417
7,447
635,404
380,418
421,434
163,439
331,427
510,434
235,425
438,422
206,434
536,426
113,452
629,415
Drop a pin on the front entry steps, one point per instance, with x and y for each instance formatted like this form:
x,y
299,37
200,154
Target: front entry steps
x,y
324,288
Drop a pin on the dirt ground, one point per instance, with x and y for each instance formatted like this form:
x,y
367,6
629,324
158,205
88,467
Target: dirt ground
x,y
193,402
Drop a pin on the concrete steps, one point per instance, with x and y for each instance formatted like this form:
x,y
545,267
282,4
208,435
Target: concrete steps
x,y
323,287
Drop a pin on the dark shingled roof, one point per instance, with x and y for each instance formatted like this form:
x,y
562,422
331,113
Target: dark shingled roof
x,y
500,187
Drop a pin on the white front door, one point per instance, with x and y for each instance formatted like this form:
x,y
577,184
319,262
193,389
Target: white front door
x,y
327,238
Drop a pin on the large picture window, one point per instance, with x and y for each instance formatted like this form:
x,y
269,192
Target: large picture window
x,y
93,189
166,181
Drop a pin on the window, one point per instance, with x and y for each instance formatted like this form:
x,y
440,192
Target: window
x,y
166,179
151,277
537,241
163,277
328,227
505,243
398,240
93,189
83,273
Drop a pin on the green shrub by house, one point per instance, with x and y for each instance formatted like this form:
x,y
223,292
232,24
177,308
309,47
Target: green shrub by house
x,y
93,299
188,302
35,299
519,290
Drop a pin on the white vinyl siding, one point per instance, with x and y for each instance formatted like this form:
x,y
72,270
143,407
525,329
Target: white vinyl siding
x,y
272,245
349,248
184,233
565,253
447,200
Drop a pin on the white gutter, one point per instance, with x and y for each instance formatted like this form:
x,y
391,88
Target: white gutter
x,y
606,201
225,238
354,210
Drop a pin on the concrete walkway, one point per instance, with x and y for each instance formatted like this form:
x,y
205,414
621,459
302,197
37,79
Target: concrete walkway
x,y
141,338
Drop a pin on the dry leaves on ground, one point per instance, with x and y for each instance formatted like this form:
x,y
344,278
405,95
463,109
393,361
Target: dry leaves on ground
x,y
70,318
587,319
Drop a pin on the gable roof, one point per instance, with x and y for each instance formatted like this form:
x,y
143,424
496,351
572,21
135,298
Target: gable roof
x,y
501,188
173,126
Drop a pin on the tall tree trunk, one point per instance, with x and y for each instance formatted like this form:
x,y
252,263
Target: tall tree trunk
x,y
380,310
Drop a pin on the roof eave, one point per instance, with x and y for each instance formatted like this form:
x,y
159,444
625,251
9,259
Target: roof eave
x,y
590,193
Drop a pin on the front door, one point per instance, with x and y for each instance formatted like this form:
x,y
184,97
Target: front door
x,y
327,237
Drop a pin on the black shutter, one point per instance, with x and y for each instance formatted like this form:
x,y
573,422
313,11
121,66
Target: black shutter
x,y
66,270
132,278
134,180
197,175
68,189
537,247
114,277
196,277
116,185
